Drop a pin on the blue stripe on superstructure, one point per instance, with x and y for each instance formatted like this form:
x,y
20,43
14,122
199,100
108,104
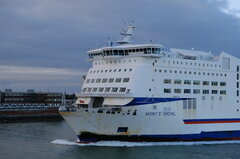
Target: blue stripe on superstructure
x,y
143,101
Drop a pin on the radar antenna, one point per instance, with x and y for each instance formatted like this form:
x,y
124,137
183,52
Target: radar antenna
x,y
127,34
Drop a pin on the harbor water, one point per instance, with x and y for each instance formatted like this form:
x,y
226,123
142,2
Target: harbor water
x,y
56,140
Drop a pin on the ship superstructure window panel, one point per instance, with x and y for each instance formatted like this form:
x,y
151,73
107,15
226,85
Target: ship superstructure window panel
x,y
118,80
196,82
177,81
214,91
110,80
122,89
187,82
104,80
167,81
88,80
107,89
167,90
125,80
114,89
214,83
98,80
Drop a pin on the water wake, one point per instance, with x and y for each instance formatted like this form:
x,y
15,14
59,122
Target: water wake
x,y
138,144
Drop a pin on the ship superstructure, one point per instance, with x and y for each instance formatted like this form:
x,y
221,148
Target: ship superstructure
x,y
149,92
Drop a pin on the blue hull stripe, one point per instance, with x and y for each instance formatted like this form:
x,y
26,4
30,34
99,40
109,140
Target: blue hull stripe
x,y
143,101
203,136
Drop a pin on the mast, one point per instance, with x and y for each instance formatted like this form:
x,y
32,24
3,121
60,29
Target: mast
x,y
127,34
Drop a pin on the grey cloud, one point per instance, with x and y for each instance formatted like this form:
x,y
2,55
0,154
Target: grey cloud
x,y
57,33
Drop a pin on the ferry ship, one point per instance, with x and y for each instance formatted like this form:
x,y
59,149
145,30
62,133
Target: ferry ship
x,y
148,92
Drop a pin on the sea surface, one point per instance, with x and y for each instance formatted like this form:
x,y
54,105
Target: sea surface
x,y
55,140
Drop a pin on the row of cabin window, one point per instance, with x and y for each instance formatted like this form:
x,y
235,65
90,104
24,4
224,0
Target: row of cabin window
x,y
191,63
114,70
105,80
195,91
190,72
195,82
107,89
115,61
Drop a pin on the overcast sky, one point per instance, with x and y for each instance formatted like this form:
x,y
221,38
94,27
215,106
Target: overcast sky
x,y
43,43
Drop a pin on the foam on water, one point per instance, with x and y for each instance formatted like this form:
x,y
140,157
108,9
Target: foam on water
x,y
137,144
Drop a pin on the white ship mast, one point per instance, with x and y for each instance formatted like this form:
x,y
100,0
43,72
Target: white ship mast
x,y
127,35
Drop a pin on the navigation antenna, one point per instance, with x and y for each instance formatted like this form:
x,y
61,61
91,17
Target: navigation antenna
x,y
127,34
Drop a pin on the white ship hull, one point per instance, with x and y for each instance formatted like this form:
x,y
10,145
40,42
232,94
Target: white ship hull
x,y
143,123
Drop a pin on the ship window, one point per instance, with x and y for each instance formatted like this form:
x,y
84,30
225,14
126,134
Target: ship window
x,y
125,70
223,92
237,68
118,80
119,70
196,91
175,71
214,91
110,80
122,89
187,81
98,80
130,70
160,70
167,81
205,91
238,76
114,89
167,90
237,84
88,80
97,71
104,80
177,81
237,92
126,80
115,69
100,89
187,90
84,89
110,70
165,71
94,89
105,70
89,89
214,83
205,83
107,89
92,80
196,82
101,71
177,90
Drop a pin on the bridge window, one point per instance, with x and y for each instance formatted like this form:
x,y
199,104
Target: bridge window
x,y
114,89
126,80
